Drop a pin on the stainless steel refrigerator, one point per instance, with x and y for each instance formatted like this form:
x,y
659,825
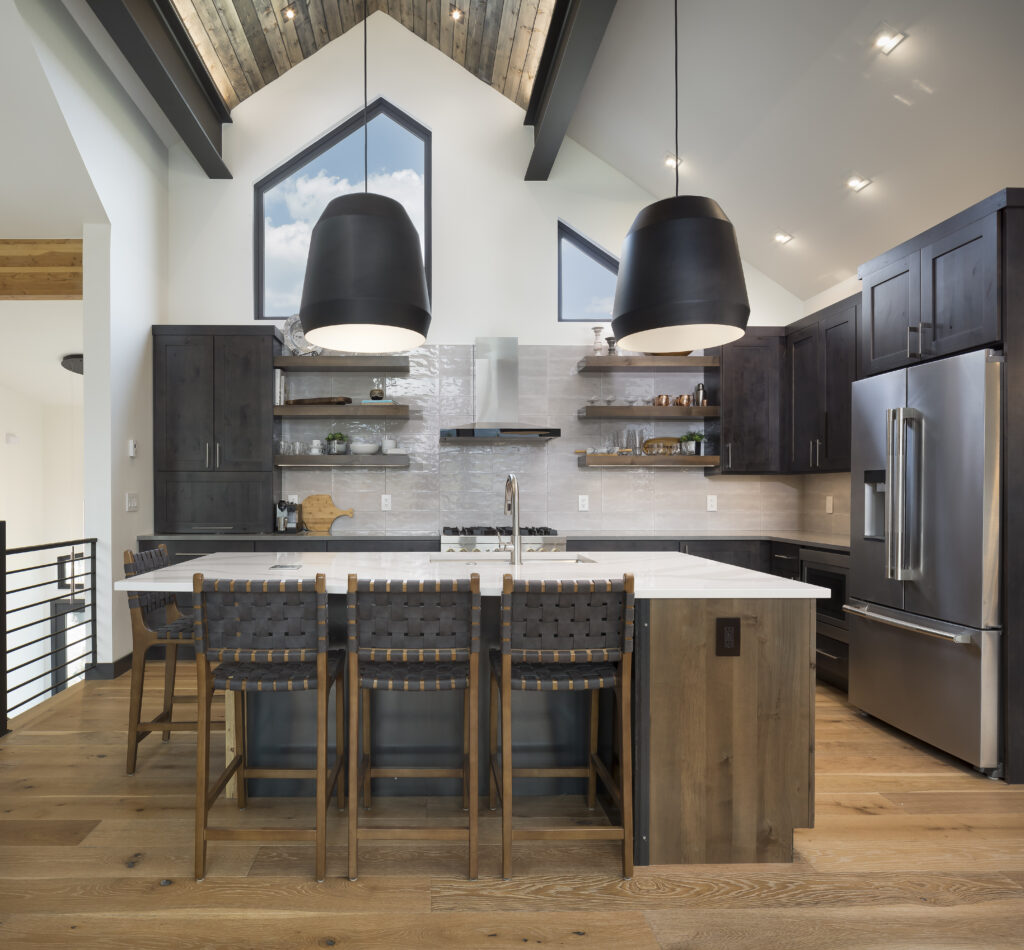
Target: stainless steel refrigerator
x,y
923,595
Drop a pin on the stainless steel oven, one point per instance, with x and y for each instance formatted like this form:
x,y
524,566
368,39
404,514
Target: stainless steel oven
x,y
830,569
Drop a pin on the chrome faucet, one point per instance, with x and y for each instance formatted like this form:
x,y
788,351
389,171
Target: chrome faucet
x,y
512,507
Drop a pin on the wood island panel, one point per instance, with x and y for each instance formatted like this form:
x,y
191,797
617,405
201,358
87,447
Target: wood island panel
x,y
731,737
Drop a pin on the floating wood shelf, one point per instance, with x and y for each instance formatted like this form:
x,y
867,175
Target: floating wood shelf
x,y
649,412
389,411
637,364
497,440
648,461
341,461
391,365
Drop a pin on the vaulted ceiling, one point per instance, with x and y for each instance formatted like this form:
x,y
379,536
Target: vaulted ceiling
x,y
246,44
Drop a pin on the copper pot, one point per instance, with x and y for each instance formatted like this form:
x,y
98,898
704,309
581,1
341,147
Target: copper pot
x,y
663,400
683,400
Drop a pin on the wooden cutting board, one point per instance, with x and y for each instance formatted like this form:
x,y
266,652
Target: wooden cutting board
x,y
320,401
319,513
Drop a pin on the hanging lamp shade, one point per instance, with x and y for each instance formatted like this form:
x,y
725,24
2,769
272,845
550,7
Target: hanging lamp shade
x,y
365,289
680,284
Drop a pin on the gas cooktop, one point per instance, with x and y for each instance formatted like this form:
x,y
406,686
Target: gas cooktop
x,y
482,531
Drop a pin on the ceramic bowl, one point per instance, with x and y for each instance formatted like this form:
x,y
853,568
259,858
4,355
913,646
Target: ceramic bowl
x,y
364,448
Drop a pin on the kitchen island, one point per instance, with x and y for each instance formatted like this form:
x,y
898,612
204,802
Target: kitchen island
x,y
723,687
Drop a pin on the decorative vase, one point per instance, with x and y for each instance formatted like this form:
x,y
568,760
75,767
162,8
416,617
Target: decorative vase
x,y
598,345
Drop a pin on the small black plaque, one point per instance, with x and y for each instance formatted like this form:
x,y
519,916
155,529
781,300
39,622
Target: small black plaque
x,y
727,636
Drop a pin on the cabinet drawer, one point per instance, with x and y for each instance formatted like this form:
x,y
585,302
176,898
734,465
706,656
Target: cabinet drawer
x,y
213,502
785,560
397,545
749,554
833,661
187,550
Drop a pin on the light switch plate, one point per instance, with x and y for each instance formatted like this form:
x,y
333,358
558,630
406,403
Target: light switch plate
x,y
712,502
131,501
584,503
292,498
385,502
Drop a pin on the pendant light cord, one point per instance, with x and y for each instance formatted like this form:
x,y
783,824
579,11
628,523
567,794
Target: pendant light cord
x,y
675,46
366,124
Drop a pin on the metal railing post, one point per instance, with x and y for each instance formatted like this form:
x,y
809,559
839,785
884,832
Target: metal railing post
x,y
92,601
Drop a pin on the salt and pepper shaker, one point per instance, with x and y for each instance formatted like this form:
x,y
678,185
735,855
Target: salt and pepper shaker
x,y
698,395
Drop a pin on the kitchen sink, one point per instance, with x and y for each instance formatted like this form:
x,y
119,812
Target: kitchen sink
x,y
505,557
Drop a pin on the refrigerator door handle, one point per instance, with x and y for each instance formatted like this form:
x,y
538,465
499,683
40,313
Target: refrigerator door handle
x,y
953,637
891,549
908,559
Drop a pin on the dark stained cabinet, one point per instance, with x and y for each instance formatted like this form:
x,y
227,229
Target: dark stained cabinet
x,y
749,390
213,428
933,296
820,369
754,555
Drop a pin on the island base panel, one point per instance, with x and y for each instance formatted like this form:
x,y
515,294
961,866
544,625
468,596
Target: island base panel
x,y
731,738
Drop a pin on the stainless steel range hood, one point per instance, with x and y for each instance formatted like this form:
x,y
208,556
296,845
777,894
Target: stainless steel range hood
x,y
496,397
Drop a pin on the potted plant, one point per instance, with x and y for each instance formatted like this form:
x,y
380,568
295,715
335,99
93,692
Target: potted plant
x,y
690,443
337,443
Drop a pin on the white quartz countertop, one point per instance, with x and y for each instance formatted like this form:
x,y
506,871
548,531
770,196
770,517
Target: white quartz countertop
x,y
661,574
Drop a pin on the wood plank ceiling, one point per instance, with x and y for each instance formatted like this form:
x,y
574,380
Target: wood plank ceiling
x,y
41,270
247,43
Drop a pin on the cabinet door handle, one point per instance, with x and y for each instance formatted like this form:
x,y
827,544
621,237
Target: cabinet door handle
x,y
817,453
921,327
729,453
207,454
810,453
217,463
911,353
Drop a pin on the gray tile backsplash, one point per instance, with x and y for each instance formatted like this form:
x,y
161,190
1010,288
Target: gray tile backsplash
x,y
455,484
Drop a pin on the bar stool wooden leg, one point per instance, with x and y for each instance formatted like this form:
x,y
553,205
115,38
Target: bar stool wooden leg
x,y
367,750
353,766
170,667
506,766
473,710
241,747
135,706
340,743
592,750
625,718
465,748
322,697
492,724
204,701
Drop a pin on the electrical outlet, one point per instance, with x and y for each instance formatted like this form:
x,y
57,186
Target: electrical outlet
x,y
584,502
712,502
385,502
291,498
829,504
131,501
727,636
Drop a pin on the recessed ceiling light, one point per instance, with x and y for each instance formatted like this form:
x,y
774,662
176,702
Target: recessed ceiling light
x,y
856,183
781,237
888,39
456,13
289,13
671,161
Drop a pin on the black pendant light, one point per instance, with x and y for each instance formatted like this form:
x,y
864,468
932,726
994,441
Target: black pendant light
x,y
365,289
680,284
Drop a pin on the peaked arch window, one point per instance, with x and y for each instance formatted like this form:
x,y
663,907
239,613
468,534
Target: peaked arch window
x,y
291,198
586,278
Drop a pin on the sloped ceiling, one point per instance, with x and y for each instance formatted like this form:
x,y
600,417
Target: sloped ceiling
x,y
247,43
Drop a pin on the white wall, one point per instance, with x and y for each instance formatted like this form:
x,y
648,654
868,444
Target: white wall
x,y
124,288
495,268
842,290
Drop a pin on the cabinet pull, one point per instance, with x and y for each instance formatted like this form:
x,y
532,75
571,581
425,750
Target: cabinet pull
x,y
921,327
817,443
207,454
785,557
217,463
810,453
729,447
911,353
830,656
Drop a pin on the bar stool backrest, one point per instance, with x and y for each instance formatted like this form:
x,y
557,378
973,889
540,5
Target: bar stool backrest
x,y
152,603
414,620
260,621
567,621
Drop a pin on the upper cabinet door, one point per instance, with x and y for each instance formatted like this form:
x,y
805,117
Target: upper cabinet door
x,y
183,403
891,302
805,409
751,389
244,373
960,290
837,351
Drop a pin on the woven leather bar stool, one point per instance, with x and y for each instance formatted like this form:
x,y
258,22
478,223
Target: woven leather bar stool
x,y
565,636
156,621
269,636
414,636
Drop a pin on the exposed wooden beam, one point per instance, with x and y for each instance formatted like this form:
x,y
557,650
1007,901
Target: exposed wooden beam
x,y
577,28
156,45
41,270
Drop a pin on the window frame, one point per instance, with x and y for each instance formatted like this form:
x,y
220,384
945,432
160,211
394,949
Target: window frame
x,y
597,254
324,143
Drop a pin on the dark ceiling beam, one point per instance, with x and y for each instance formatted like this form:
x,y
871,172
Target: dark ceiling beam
x,y
577,28
153,40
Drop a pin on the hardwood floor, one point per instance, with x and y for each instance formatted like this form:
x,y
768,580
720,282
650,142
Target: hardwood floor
x,y
910,850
